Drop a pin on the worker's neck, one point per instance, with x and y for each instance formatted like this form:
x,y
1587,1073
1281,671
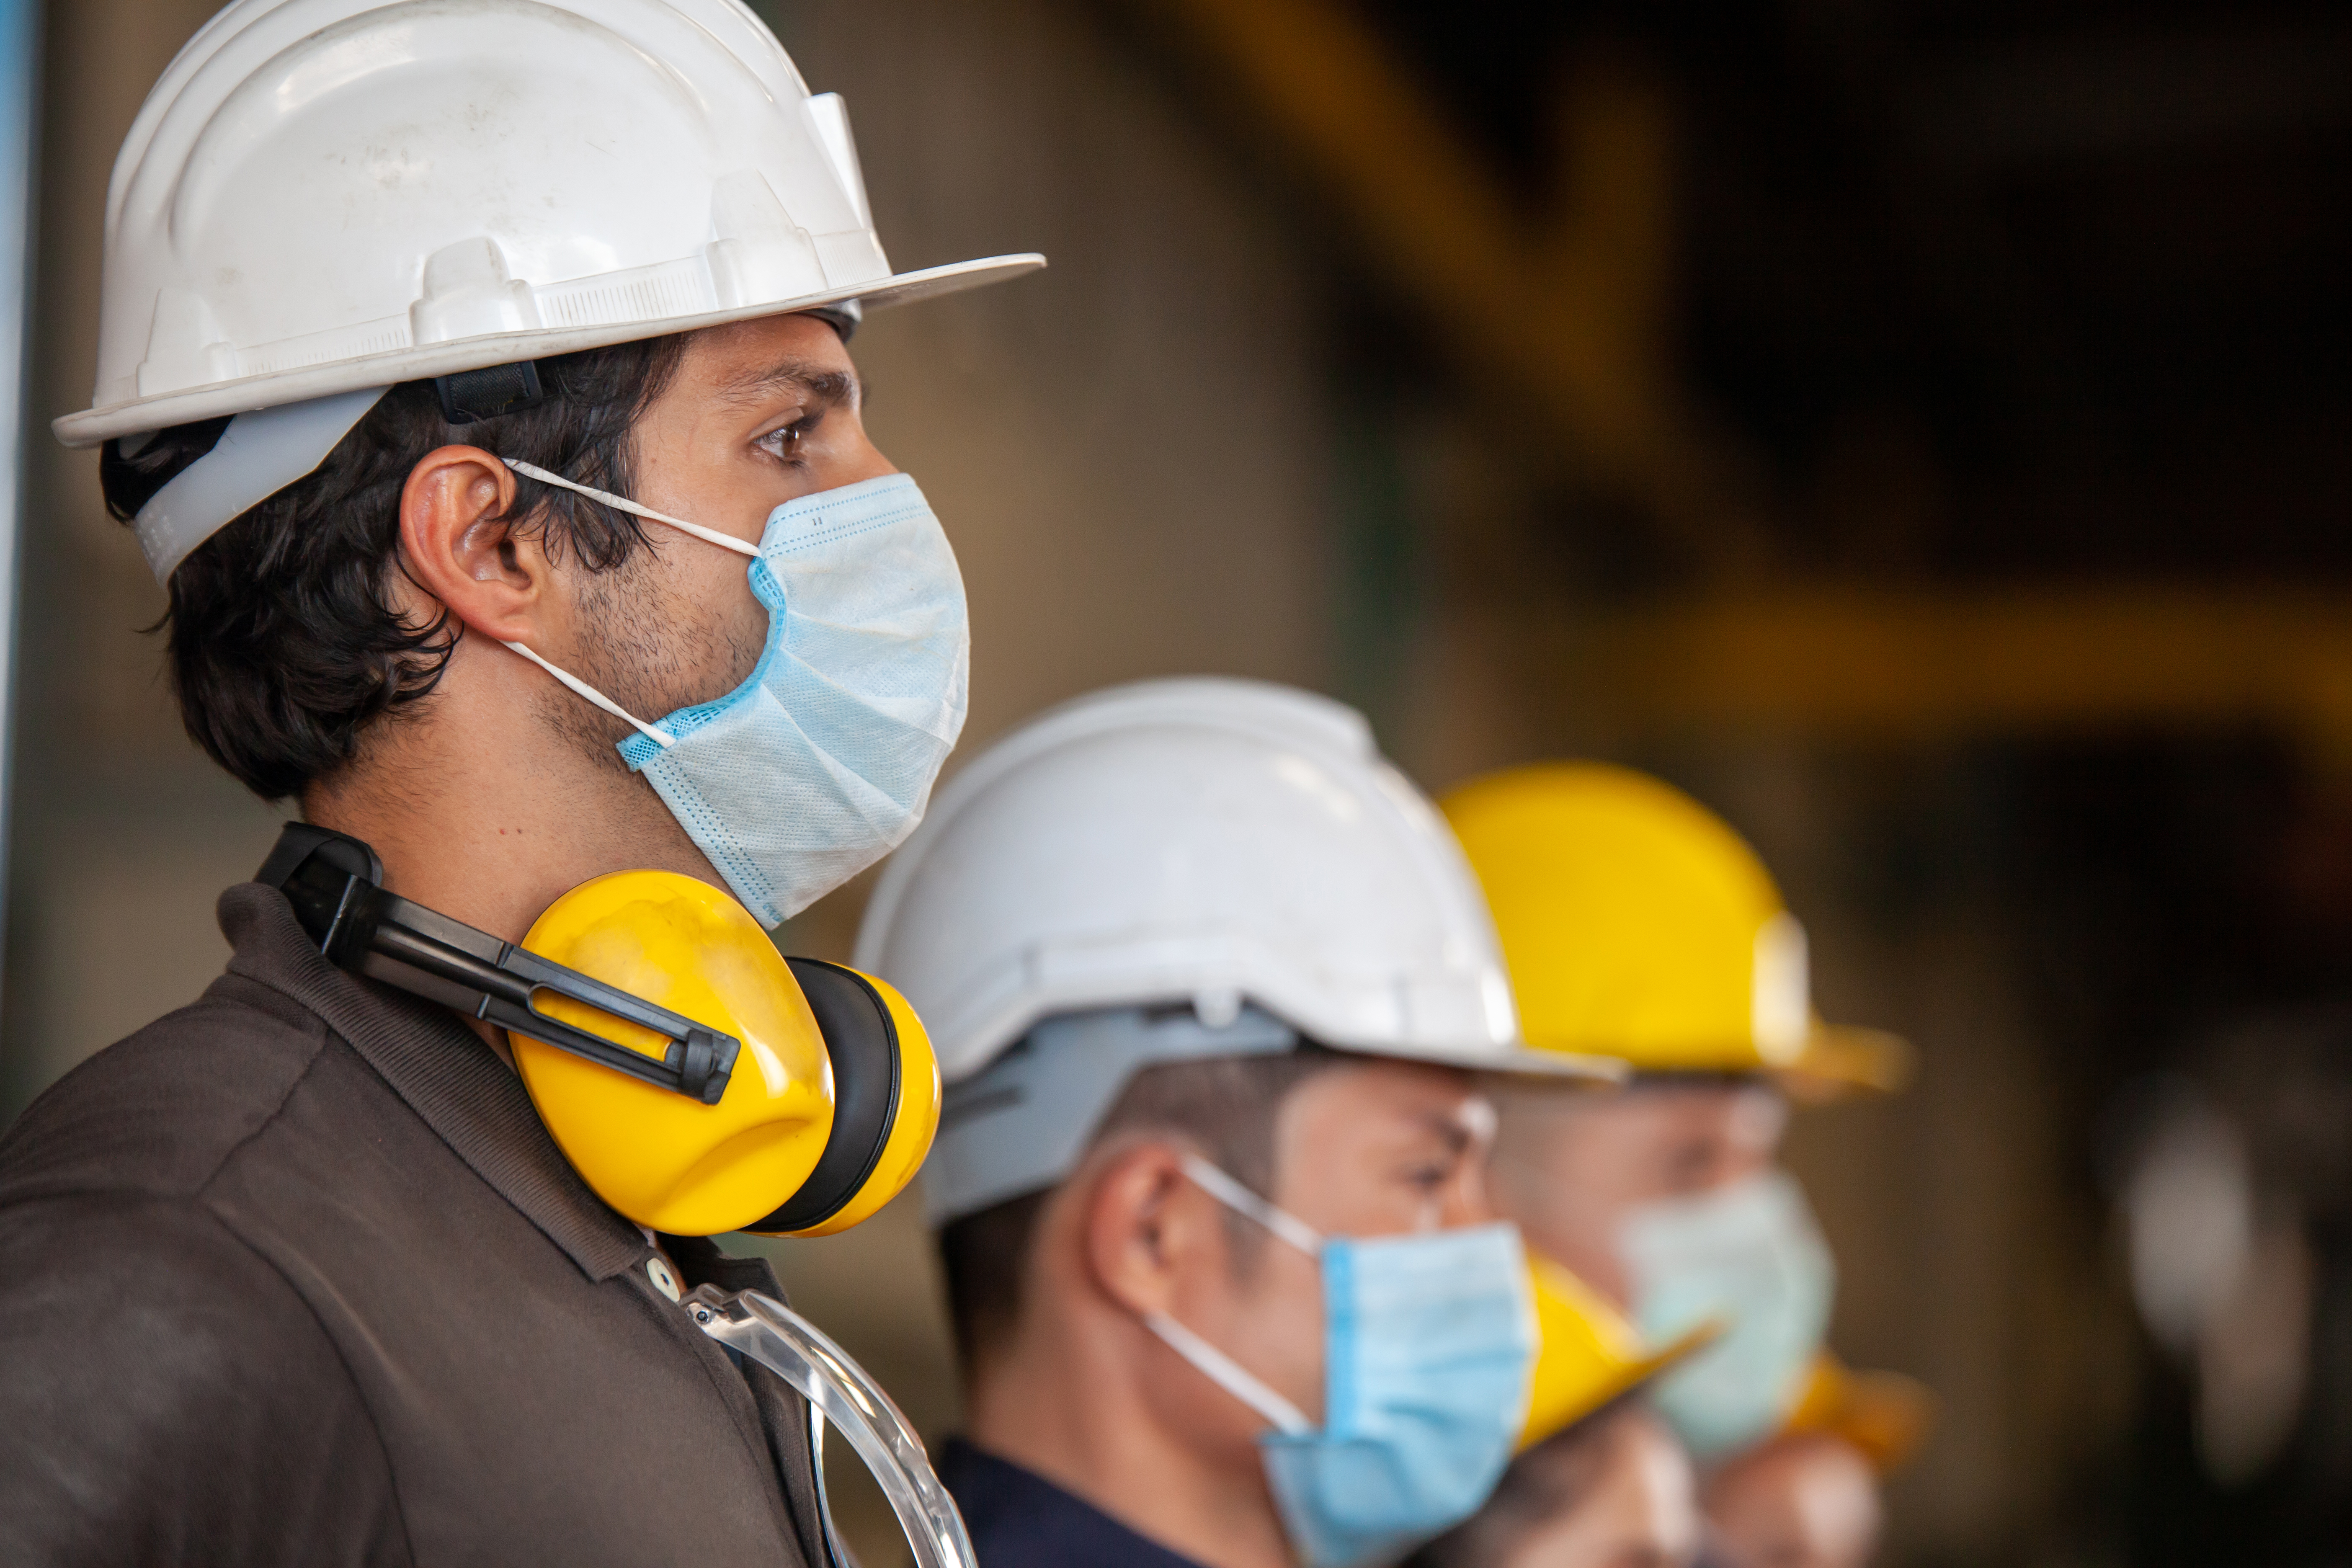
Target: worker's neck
x,y
482,811
1063,1401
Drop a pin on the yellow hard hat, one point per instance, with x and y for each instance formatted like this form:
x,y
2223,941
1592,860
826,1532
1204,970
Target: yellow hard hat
x,y
1883,1413
1587,1355
828,1106
1637,924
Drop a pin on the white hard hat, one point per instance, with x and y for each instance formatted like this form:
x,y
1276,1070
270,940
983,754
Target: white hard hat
x,y
1211,841
321,197
1234,846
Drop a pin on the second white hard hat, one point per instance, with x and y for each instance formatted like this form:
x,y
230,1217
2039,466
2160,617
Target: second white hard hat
x,y
1174,871
1206,841
324,195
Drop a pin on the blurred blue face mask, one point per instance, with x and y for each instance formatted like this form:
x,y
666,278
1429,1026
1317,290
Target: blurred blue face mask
x,y
821,762
1428,1341
1749,1255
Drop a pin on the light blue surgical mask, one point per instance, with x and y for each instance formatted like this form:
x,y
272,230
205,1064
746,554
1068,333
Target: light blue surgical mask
x,y
1428,1342
1749,1255
821,762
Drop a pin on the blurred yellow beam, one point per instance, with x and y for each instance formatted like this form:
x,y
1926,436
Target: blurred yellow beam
x,y
1869,662
1569,318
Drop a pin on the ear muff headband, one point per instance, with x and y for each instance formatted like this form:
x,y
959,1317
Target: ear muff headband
x,y
863,1040
335,883
884,1079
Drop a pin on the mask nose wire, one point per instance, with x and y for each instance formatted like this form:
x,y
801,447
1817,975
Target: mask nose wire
x,y
580,687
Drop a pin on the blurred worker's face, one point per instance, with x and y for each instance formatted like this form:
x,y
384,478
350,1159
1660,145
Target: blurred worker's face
x,y
1570,1166
1376,1148
1638,1511
1798,1501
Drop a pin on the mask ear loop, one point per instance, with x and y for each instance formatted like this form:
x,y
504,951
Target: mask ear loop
x,y
1247,1203
652,732
1207,1359
580,687
1230,1376
620,503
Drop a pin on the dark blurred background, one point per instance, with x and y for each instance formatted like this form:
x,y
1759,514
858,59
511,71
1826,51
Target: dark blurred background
x,y
1922,430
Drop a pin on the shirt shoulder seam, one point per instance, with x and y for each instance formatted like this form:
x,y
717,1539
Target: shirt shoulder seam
x,y
350,1380
201,1198
321,1033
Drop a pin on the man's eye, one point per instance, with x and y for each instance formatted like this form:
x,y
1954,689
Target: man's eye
x,y
785,443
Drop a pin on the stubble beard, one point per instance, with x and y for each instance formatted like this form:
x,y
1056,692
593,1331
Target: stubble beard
x,y
649,651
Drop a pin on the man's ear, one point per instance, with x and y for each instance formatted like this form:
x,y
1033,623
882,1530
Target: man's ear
x,y
1145,1224
457,544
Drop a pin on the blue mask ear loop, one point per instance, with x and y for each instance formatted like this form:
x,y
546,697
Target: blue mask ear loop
x,y
580,687
1207,1359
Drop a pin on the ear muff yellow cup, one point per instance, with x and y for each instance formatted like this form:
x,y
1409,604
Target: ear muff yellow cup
x,y
832,1102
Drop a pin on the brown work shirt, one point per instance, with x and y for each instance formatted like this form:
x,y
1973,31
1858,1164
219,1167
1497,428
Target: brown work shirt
x,y
295,1275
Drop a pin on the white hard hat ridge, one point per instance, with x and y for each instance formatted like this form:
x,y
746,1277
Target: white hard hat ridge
x,y
1214,842
325,195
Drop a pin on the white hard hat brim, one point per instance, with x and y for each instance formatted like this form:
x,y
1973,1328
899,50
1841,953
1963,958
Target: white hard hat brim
x,y
1552,1066
247,394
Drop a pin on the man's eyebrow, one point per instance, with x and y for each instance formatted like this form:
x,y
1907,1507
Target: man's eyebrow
x,y
832,388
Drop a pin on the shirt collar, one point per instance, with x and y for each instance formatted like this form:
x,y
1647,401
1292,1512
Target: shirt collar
x,y
1016,1515
447,1075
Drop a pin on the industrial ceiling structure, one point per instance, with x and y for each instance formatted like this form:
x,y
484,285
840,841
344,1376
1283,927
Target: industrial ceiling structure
x,y
1864,319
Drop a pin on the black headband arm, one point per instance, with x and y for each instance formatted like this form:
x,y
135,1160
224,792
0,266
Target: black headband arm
x,y
335,884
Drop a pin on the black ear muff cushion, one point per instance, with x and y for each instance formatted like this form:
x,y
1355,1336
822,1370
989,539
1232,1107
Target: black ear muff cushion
x,y
864,1045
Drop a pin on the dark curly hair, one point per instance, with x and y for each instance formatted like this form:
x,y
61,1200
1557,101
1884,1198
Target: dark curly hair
x,y
284,643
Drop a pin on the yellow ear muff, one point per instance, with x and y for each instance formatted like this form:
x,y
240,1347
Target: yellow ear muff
x,y
665,1161
831,1103
886,1101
